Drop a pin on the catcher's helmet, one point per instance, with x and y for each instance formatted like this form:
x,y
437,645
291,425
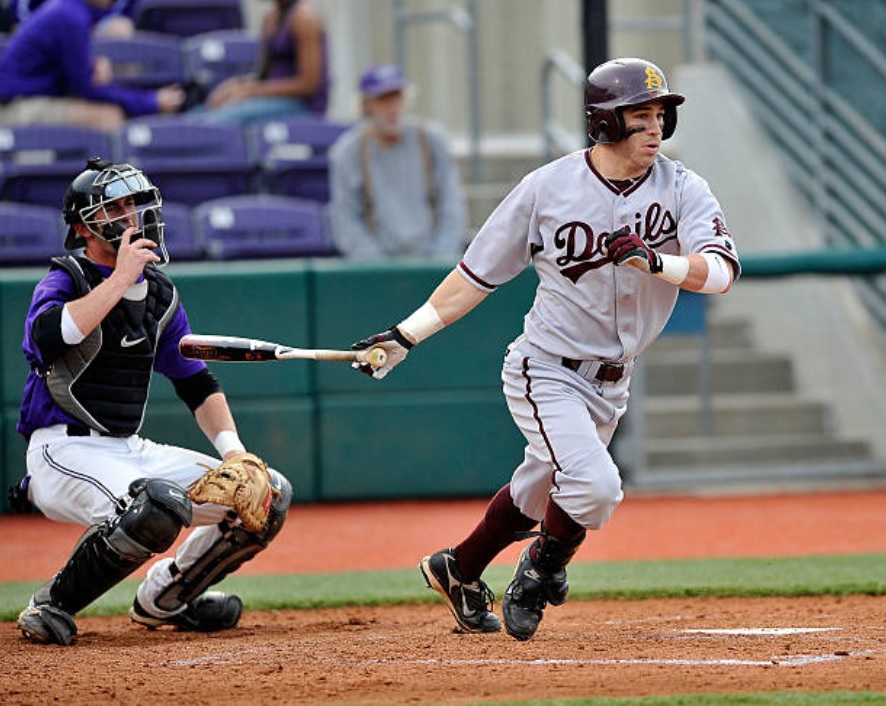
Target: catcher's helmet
x,y
620,83
99,184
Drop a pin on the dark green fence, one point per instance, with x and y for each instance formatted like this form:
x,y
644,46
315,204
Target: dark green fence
x,y
437,427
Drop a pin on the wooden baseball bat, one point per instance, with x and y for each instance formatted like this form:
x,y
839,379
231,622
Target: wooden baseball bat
x,y
234,349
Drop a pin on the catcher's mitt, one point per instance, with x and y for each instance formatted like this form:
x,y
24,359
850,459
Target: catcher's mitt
x,y
242,483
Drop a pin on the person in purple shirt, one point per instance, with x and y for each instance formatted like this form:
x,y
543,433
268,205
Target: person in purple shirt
x,y
116,21
49,75
293,75
100,323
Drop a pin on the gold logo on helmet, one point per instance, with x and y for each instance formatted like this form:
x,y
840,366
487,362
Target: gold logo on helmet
x,y
653,79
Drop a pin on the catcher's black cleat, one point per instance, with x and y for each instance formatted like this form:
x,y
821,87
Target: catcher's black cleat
x,y
42,622
208,612
469,603
536,583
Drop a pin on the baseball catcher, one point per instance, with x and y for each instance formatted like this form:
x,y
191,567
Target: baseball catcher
x,y
102,321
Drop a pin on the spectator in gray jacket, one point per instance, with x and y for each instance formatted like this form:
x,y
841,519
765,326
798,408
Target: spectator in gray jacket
x,y
395,189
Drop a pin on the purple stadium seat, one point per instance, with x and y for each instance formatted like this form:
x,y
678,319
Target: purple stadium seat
x,y
30,235
144,60
262,226
186,18
190,162
292,155
38,162
211,57
180,234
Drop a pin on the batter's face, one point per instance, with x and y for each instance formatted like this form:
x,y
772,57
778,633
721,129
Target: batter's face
x,y
643,125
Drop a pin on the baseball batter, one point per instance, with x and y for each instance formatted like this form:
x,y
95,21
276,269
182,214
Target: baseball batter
x,y
98,325
613,232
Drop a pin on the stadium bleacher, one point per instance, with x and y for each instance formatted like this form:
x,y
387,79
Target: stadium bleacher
x,y
278,165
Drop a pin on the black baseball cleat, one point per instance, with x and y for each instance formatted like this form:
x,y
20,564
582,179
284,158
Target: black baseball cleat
x,y
469,603
41,622
531,589
208,612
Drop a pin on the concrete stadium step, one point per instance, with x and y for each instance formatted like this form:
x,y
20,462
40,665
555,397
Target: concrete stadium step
x,y
727,333
732,372
505,157
714,451
736,415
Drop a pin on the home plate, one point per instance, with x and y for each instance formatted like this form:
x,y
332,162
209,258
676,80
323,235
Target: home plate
x,y
758,631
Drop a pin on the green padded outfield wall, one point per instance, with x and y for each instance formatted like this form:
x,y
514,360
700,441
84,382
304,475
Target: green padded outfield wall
x,y
438,426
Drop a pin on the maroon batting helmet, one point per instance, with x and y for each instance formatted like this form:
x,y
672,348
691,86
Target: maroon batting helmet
x,y
620,83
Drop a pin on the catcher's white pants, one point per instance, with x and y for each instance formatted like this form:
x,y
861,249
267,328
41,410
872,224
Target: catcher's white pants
x,y
568,422
78,479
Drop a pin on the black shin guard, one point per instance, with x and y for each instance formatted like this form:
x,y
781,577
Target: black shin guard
x,y
233,548
149,521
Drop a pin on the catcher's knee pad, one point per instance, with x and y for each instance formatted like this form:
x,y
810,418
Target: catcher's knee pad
x,y
234,547
280,506
153,518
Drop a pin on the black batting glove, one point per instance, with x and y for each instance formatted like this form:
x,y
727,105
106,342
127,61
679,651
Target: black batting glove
x,y
394,343
624,246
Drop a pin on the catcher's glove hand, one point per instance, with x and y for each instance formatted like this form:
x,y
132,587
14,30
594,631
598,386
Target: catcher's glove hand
x,y
394,343
241,482
623,246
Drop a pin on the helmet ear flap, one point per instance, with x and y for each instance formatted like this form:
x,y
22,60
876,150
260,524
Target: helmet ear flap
x,y
605,126
670,121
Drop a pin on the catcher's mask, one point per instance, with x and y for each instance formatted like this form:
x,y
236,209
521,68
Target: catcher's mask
x,y
99,184
618,84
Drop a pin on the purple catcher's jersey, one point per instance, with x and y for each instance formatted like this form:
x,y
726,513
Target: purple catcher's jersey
x,y
55,289
556,218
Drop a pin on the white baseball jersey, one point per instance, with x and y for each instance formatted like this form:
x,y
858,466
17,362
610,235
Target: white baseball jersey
x,y
556,219
587,310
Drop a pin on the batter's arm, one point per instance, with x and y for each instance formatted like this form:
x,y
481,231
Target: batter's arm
x,y
451,300
708,273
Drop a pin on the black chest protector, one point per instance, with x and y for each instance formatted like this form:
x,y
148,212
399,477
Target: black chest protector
x,y
104,381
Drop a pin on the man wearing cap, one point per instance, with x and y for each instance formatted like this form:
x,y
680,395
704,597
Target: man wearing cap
x,y
395,189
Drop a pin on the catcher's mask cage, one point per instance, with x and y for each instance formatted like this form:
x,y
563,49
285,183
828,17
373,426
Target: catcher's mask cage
x,y
101,183
618,84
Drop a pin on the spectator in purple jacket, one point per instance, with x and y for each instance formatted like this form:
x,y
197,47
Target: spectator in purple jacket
x,y
116,21
293,71
49,75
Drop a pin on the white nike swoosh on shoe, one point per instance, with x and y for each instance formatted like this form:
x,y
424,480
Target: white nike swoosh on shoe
x,y
126,343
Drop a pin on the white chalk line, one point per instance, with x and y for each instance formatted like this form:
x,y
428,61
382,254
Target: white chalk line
x,y
268,656
798,660
757,631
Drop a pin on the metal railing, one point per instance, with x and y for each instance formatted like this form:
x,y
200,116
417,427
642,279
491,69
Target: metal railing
x,y
554,135
464,20
834,156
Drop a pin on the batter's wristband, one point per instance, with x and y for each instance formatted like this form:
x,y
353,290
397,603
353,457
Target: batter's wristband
x,y
400,338
423,323
674,269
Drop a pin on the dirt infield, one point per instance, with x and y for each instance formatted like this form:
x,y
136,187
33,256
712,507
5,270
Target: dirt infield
x,y
410,654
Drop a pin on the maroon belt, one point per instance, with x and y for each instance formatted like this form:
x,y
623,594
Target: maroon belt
x,y
607,372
